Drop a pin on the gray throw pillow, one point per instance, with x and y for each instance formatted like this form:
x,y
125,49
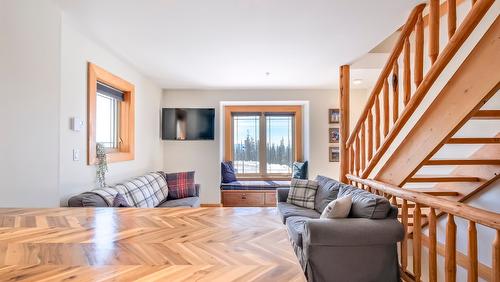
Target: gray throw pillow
x,y
302,193
366,204
338,208
328,190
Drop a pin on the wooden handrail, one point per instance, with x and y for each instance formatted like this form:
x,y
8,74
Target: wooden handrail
x,y
465,211
398,47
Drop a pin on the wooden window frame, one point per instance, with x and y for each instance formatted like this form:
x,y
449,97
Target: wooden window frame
x,y
126,147
228,136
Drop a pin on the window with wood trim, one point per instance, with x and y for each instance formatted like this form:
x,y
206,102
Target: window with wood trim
x,y
263,141
110,115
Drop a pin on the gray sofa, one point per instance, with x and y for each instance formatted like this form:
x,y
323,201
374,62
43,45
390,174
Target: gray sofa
x,y
362,247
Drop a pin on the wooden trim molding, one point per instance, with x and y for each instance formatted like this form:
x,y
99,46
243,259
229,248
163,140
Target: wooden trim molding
x,y
228,137
126,148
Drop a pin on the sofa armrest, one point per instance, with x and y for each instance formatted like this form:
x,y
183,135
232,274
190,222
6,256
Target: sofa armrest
x,y
282,194
352,232
87,199
197,189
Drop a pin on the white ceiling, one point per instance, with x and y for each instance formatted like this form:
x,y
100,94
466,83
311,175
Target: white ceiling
x,y
228,44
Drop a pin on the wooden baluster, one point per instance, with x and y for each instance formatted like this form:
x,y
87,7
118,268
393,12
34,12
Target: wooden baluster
x,y
351,160
404,243
472,272
450,250
358,155
386,107
377,122
417,241
370,135
406,72
418,73
344,89
433,30
473,2
363,147
452,17
496,258
395,92
432,246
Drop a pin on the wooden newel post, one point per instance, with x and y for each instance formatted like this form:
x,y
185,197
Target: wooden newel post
x,y
344,121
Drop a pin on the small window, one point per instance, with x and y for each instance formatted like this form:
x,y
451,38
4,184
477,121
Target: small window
x,y
110,115
108,103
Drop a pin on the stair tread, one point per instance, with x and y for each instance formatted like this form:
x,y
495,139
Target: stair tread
x,y
487,114
463,162
443,178
465,140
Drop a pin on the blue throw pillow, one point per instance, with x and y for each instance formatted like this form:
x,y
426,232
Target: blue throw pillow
x,y
299,170
227,172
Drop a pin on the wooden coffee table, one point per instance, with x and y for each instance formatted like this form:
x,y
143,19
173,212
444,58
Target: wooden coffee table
x,y
168,244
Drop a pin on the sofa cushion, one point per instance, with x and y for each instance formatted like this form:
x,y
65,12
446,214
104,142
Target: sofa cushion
x,y
328,190
193,202
227,172
120,202
287,210
365,204
295,227
180,185
87,199
299,170
302,193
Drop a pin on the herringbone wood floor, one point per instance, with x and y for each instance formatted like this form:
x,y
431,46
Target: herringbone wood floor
x,y
170,244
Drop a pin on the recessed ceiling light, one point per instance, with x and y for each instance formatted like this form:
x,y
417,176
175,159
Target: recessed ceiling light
x,y
357,81
268,73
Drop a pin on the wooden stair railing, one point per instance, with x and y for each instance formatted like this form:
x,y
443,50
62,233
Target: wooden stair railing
x,y
369,141
404,199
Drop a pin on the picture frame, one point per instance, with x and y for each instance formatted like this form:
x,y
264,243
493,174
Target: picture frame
x,y
334,154
334,116
334,135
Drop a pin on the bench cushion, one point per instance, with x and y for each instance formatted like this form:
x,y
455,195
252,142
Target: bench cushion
x,y
287,210
254,185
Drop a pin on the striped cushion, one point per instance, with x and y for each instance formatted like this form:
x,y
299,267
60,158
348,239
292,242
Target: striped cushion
x,y
181,185
302,193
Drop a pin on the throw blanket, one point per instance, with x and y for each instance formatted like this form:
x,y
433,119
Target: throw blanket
x,y
145,191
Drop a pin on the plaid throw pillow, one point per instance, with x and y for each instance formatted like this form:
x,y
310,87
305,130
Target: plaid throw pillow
x,y
302,193
180,185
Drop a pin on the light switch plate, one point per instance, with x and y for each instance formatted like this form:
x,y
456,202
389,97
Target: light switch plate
x,y
76,155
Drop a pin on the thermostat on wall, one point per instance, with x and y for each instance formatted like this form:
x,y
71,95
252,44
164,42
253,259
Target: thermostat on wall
x,y
76,124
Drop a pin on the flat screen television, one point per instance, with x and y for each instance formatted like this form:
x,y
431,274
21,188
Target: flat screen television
x,y
188,124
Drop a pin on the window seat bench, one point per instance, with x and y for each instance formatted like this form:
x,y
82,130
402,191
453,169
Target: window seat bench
x,y
251,193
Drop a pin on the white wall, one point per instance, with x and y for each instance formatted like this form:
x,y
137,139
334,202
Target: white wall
x,y
204,156
77,176
29,111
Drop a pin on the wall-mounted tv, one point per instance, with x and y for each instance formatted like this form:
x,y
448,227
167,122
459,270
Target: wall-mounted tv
x,y
188,124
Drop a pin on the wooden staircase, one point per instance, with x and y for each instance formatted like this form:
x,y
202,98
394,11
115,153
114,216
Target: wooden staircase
x,y
407,135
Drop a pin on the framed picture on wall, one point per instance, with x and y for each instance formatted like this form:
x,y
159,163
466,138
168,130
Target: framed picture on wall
x,y
333,116
333,135
334,154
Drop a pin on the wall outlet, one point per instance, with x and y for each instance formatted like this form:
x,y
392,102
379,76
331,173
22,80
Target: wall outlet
x,y
76,155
